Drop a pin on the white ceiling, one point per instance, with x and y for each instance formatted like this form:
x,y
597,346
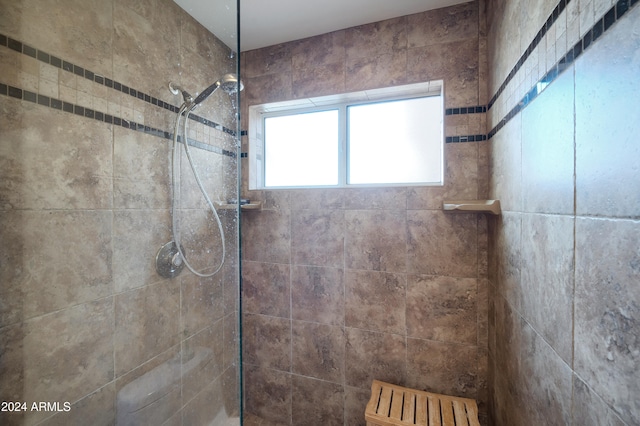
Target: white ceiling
x,y
269,22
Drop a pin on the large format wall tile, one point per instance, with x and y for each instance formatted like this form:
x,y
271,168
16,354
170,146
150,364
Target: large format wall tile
x,y
318,351
547,278
147,323
442,244
606,121
317,294
317,238
442,308
375,301
55,345
53,160
547,150
305,408
607,318
266,289
53,260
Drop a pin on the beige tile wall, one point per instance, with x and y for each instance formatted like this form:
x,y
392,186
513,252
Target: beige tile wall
x,y
85,205
342,286
564,318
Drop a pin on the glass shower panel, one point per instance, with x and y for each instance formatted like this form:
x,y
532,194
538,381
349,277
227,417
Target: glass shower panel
x,y
90,332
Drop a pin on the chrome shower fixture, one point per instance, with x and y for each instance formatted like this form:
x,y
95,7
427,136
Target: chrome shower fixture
x,y
176,90
229,83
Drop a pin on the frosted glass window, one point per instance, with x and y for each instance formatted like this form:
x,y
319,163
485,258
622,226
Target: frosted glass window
x,y
301,149
395,142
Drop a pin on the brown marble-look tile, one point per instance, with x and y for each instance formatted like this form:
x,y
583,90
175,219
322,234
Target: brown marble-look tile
x,y
606,122
52,260
589,409
266,341
317,294
431,367
96,409
375,198
442,308
55,345
268,61
376,240
154,385
268,88
317,237
147,323
459,72
455,254
48,166
547,278
389,69
507,235
460,179
202,360
266,289
201,302
140,166
376,39
547,150
321,199
546,382
318,351
268,395
89,45
206,408
443,25
316,402
355,404
136,64
134,258
266,237
209,167
506,166
372,355
375,301
321,80
607,311
322,49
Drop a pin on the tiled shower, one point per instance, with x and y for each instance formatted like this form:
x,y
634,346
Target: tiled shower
x,y
533,313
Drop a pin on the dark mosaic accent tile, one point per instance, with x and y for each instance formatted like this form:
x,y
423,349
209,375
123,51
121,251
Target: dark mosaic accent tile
x,y
67,66
67,107
14,45
133,92
609,18
43,56
108,82
89,113
597,29
55,61
99,79
89,75
3,89
29,96
56,103
78,110
3,40
117,121
108,118
621,8
14,92
29,51
77,70
44,100
117,86
99,116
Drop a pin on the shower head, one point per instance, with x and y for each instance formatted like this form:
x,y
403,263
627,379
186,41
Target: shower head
x,y
228,82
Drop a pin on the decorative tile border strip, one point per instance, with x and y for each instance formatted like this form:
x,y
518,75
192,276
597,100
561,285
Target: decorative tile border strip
x,y
466,110
26,95
602,25
45,57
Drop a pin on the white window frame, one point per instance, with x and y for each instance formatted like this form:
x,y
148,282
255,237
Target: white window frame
x,y
257,114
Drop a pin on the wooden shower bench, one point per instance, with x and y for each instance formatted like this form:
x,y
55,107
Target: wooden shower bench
x,y
392,405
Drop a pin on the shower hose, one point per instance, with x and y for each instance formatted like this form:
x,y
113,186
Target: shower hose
x,y
175,195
